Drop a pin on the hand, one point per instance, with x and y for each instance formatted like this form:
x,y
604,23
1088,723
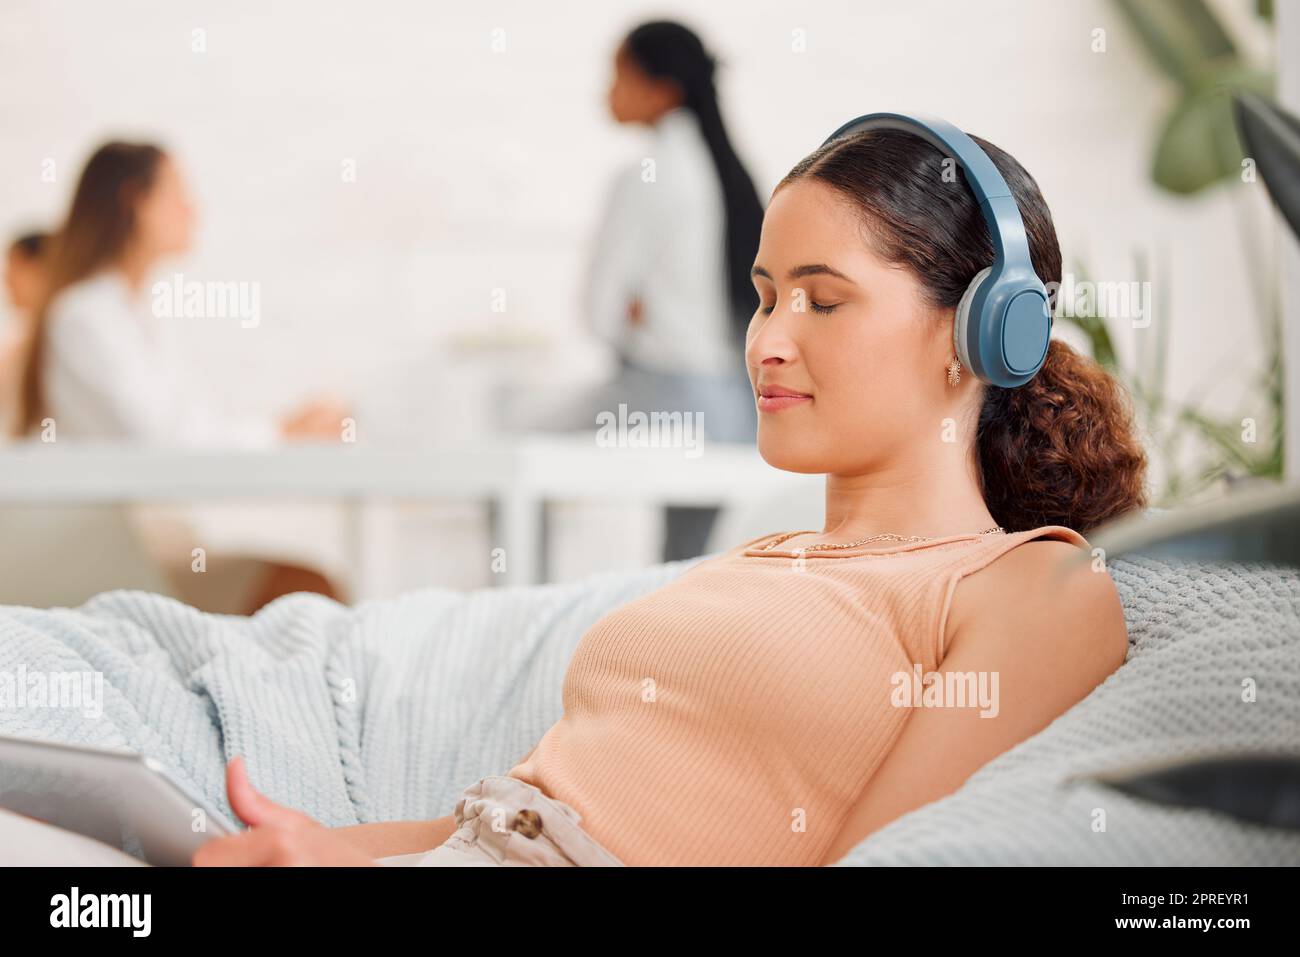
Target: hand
x,y
277,836
322,419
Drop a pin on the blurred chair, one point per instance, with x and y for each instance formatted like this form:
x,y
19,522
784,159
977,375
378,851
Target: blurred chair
x,y
59,556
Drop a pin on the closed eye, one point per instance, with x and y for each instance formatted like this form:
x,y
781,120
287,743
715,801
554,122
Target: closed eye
x,y
823,309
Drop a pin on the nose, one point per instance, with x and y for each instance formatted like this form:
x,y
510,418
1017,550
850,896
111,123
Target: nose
x,y
770,343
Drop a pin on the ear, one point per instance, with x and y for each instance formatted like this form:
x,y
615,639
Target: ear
x,y
939,348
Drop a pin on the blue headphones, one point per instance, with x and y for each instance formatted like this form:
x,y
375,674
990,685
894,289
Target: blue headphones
x,y
1003,322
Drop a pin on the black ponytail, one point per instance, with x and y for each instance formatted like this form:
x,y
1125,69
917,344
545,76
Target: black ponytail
x,y
669,50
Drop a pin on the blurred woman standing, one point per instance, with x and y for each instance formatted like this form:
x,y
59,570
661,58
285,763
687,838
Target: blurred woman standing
x,y
669,286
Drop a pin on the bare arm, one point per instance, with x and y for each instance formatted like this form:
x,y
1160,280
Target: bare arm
x,y
387,838
1051,631
279,836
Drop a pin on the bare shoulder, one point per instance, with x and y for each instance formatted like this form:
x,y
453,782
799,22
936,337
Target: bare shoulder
x,y
1045,623
1044,586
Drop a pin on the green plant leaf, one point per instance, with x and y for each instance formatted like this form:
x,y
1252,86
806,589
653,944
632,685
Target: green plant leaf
x,y
1226,437
1179,35
1100,345
1198,145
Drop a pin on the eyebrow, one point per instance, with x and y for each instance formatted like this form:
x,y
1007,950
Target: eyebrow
x,y
798,272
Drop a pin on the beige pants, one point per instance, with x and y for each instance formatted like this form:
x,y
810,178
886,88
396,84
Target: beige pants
x,y
502,822
505,822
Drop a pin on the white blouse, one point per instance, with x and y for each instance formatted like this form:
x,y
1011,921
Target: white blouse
x,y
661,241
111,372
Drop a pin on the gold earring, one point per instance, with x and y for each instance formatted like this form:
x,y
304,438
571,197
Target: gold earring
x,y
954,371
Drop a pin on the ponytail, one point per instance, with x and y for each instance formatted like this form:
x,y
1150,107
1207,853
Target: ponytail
x,y
670,50
1060,449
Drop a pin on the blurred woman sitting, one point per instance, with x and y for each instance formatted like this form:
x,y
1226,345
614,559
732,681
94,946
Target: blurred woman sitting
x,y
100,365
24,286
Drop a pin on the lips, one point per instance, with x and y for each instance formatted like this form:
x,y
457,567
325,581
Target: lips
x,y
773,398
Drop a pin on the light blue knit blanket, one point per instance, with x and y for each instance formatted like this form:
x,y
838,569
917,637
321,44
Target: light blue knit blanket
x,y
387,710
383,711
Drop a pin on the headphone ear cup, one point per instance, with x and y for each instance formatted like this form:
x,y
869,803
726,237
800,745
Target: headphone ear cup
x,y
962,319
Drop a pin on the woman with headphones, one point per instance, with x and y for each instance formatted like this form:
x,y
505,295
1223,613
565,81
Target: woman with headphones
x,y
778,703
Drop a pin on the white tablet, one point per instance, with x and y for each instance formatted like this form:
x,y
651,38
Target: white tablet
x,y
121,798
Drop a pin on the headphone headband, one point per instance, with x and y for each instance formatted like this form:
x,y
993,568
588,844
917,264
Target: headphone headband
x,y
982,175
997,205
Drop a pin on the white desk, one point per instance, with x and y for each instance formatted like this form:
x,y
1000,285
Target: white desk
x,y
516,476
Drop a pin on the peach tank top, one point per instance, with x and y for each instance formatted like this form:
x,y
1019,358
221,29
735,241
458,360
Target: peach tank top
x,y
734,716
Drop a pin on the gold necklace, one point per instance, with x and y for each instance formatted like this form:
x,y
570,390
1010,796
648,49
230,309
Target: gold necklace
x,y
889,536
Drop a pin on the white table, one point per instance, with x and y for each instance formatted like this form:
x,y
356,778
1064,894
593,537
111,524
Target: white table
x,y
517,476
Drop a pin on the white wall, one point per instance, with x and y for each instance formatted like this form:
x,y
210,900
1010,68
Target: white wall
x,y
479,169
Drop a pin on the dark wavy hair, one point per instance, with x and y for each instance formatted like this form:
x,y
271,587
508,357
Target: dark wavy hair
x,y
672,51
1061,449
99,226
